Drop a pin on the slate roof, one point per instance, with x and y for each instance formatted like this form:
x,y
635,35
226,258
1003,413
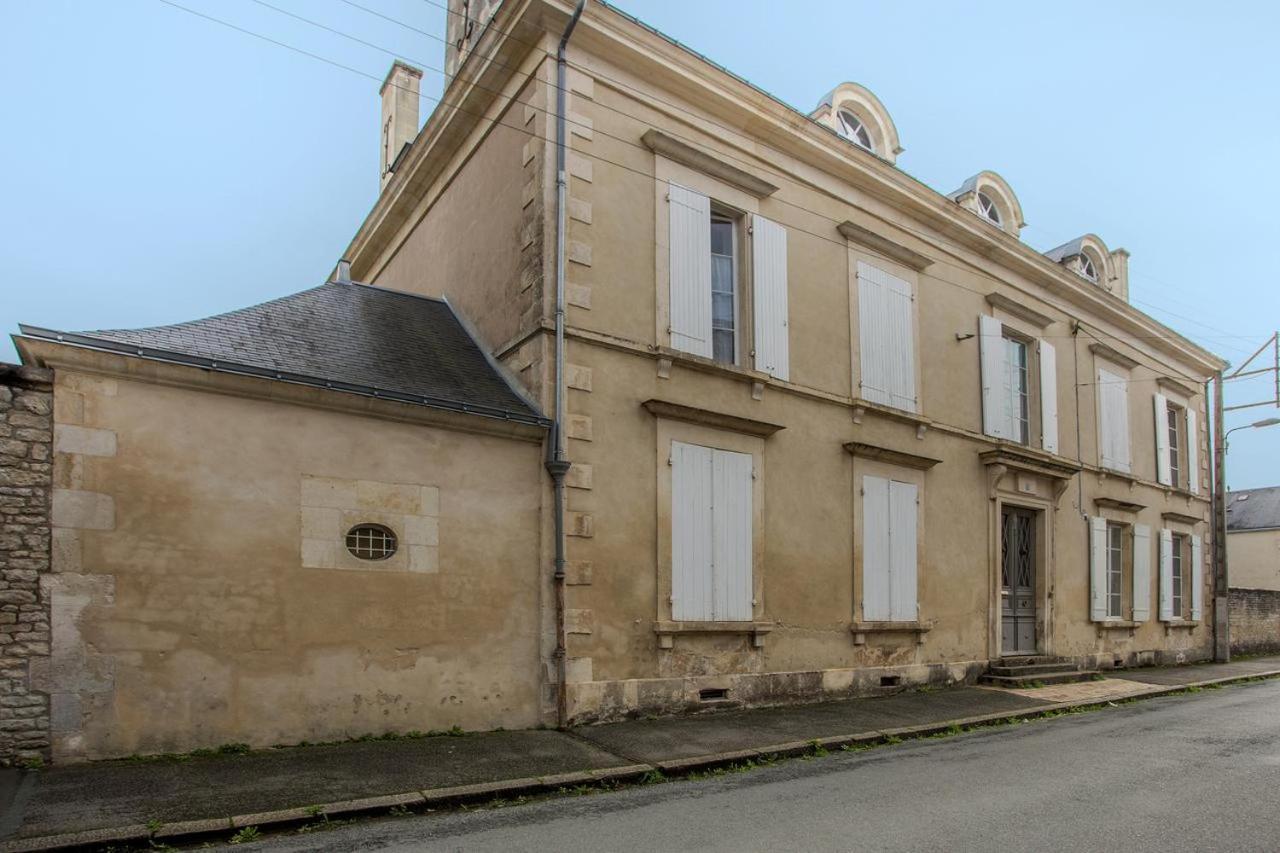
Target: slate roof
x,y
1253,509
350,337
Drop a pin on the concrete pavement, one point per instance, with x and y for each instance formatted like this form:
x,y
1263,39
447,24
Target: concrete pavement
x,y
130,801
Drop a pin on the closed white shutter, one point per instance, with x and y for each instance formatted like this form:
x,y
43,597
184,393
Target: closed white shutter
x,y
690,246
886,335
902,549
769,275
1166,575
992,355
1197,579
1113,398
1098,569
1141,573
1048,397
731,523
1164,471
1193,456
876,555
692,595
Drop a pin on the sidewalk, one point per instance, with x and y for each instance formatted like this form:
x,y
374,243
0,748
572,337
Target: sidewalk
x,y
128,801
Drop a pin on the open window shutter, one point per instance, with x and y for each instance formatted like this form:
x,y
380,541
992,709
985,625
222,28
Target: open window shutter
x,y
1164,472
731,523
876,559
991,353
1141,573
691,533
1048,397
1197,579
690,247
1193,457
1166,576
886,336
1113,399
1097,569
902,548
769,274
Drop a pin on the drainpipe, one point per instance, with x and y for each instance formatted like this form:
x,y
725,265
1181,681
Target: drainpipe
x,y
557,465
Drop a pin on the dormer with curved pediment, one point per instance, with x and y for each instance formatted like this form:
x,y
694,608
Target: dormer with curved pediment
x,y
1088,257
990,197
856,115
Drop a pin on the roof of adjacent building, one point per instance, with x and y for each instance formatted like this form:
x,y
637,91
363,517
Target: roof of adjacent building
x,y
345,336
1253,509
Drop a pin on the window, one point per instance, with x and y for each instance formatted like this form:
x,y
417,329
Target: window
x,y
1113,420
1087,268
1115,571
886,339
371,542
708,289
1181,576
988,208
852,129
1015,384
1177,579
711,534
724,287
1172,418
889,551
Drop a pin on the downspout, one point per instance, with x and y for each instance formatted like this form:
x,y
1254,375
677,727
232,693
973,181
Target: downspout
x,y
557,465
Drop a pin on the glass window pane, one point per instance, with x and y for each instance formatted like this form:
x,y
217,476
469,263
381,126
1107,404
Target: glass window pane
x,y
722,345
721,274
722,311
721,237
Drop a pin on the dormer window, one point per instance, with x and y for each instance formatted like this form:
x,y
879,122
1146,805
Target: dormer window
x,y
851,128
988,208
1087,269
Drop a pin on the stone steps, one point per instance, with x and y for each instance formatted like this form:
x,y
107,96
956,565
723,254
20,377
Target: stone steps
x,y
1033,671
1037,680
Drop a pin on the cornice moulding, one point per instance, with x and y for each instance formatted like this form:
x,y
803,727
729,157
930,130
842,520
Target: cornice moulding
x,y
707,163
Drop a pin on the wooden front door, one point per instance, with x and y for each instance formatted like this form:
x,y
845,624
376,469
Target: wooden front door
x,y
1018,581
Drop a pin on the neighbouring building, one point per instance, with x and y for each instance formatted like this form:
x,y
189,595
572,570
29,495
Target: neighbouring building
x,y
830,431
1253,558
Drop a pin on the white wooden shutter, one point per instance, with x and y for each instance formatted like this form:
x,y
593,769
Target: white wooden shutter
x,y
692,595
902,550
1197,579
731,523
991,353
1193,456
1113,399
1098,569
1048,397
1166,575
1164,472
690,246
769,275
886,335
1141,573
876,556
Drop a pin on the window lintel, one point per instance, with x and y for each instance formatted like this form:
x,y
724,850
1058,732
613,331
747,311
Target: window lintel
x,y
706,162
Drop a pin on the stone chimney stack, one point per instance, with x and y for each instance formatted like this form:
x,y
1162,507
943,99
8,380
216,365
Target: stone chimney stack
x,y
465,22
399,114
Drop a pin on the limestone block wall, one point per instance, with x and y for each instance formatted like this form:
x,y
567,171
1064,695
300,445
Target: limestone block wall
x,y
26,438
1254,617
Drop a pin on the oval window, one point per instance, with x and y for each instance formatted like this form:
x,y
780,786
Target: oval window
x,y
371,542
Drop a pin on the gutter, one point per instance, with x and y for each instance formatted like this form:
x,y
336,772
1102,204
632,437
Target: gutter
x,y
557,465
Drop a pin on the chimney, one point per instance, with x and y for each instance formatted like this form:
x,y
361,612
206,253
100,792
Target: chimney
x,y
465,23
399,114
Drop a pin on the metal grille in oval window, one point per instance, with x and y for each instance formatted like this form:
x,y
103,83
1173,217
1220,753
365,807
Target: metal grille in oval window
x,y
371,542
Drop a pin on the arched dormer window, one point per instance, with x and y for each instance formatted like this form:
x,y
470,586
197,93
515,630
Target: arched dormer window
x,y
851,128
990,197
1088,257
858,117
1088,268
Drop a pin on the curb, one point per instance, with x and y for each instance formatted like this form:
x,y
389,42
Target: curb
x,y
193,830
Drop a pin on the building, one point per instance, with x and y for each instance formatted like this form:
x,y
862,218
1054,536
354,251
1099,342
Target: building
x,y
829,431
1253,554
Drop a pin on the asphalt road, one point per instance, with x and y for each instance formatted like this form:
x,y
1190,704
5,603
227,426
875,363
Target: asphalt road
x,y
1198,772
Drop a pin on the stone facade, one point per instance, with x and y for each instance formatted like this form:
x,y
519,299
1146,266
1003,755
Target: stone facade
x,y
26,438
1255,621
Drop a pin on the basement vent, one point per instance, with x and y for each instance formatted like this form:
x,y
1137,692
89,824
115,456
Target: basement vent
x,y
711,694
890,680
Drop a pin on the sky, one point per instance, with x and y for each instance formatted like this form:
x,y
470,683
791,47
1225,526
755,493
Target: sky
x,y
158,166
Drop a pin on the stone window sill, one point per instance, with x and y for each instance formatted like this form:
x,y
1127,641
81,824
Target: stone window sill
x,y
1171,624
860,630
667,631
1117,625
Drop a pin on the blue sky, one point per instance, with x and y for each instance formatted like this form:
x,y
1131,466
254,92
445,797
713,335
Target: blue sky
x,y
158,166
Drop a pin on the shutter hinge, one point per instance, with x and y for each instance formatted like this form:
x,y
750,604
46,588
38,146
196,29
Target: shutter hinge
x,y
669,462
753,473
751,229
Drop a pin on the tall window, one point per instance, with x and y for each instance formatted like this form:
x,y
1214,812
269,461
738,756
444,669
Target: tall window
x,y
1173,417
1018,389
1115,571
711,562
723,291
1176,588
